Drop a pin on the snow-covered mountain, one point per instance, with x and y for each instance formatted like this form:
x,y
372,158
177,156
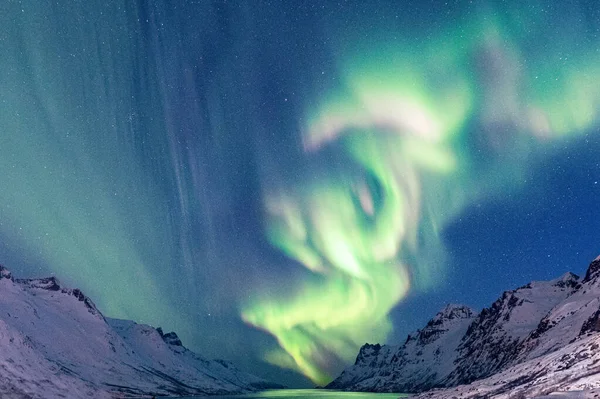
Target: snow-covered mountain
x,y
537,339
426,357
54,342
495,336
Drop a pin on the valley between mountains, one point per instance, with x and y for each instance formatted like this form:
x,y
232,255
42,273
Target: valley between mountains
x,y
542,338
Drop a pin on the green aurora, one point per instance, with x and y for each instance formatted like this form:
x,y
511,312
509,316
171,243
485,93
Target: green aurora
x,y
72,172
402,115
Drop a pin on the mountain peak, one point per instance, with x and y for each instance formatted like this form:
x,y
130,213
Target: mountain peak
x,y
566,280
367,350
593,271
5,273
450,316
52,284
170,338
451,312
456,311
46,283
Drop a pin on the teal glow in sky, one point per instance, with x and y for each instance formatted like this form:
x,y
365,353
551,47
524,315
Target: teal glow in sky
x,y
282,183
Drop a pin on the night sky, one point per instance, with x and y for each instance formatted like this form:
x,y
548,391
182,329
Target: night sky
x,y
280,182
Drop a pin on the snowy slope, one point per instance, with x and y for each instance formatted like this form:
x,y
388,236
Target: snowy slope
x,y
167,355
575,367
540,338
55,342
425,359
494,338
372,362
25,372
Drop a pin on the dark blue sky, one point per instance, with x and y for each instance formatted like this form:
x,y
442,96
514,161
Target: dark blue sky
x,y
539,232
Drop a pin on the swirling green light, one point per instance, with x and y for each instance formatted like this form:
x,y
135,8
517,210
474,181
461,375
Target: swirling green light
x,y
402,117
349,231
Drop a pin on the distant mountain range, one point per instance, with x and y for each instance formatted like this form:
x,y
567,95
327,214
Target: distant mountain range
x,y
538,339
55,343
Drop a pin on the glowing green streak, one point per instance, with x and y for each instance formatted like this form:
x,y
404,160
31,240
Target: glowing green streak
x,y
73,192
340,230
565,100
331,235
401,116
395,124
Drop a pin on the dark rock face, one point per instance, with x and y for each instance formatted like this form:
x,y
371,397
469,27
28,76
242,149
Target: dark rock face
x,y
172,339
5,273
591,325
593,271
542,327
367,351
485,348
419,364
437,326
492,343
169,338
86,301
48,283
569,280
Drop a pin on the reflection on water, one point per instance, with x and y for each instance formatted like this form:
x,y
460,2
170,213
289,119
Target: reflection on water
x,y
311,394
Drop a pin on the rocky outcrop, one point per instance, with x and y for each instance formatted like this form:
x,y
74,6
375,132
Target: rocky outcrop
x,y
169,338
591,325
593,272
5,273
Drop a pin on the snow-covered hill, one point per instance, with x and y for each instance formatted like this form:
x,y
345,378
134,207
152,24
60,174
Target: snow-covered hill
x,y
539,338
54,342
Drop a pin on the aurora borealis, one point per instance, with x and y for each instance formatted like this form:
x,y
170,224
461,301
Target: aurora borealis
x,y
284,183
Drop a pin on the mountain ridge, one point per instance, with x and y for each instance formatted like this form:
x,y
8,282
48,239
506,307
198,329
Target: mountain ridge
x,y
55,342
525,329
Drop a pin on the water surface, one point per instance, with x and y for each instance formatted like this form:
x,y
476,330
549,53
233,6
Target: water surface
x,y
310,394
